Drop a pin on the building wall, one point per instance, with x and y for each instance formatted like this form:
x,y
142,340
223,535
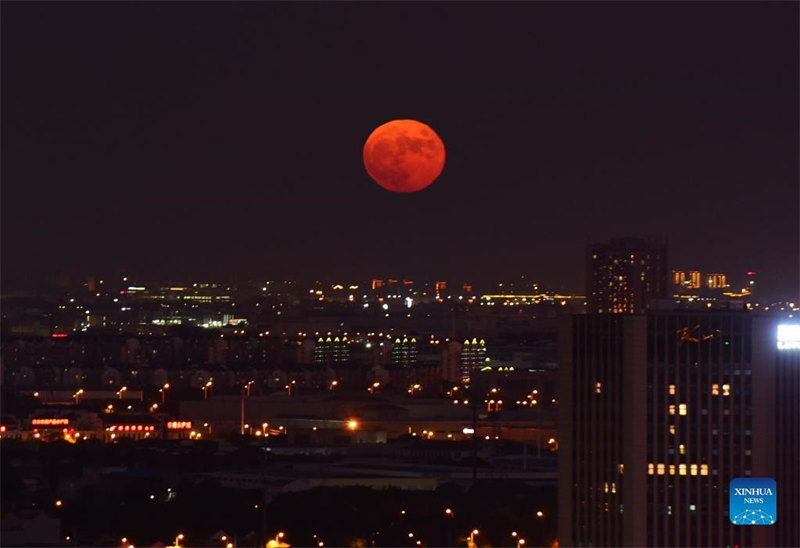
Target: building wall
x,y
787,444
624,275
685,402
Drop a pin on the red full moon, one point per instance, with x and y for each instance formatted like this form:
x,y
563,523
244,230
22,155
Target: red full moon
x,y
404,155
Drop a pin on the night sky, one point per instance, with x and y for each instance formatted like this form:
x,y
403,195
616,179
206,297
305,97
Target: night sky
x,y
212,140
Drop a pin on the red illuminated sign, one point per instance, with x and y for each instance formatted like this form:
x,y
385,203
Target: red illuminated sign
x,y
132,428
50,422
59,335
179,425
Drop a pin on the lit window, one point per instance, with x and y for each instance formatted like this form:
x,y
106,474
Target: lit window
x,y
650,469
692,507
598,388
605,487
693,470
715,390
672,409
672,389
671,469
621,468
726,389
672,429
660,469
703,469
682,469
682,409
682,449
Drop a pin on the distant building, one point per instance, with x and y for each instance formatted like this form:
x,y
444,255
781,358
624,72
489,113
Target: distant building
x,y
404,352
624,275
473,355
451,361
695,279
698,280
332,350
716,281
305,352
659,412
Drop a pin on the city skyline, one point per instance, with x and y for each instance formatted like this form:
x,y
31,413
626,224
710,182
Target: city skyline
x,y
225,140
400,274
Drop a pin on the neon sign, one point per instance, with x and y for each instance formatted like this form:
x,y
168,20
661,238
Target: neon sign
x,y
179,425
50,422
789,337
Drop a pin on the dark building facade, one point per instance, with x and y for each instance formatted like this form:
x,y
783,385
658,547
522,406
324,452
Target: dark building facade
x,y
658,413
623,276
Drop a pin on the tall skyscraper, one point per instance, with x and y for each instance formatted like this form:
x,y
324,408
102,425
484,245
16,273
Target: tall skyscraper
x,y
658,413
623,276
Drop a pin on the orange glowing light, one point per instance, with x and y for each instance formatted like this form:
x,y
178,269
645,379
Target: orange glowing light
x,y
49,422
404,155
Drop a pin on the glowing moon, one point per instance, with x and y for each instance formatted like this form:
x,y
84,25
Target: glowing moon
x,y
404,155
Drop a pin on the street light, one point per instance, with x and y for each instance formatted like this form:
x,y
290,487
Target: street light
x,y
77,396
208,385
450,514
120,391
277,542
471,540
163,391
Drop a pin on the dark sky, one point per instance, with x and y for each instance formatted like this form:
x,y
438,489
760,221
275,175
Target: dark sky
x,y
224,139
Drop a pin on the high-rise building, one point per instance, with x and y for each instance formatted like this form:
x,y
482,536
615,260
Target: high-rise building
x,y
473,355
404,352
695,279
659,412
678,277
624,275
335,350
